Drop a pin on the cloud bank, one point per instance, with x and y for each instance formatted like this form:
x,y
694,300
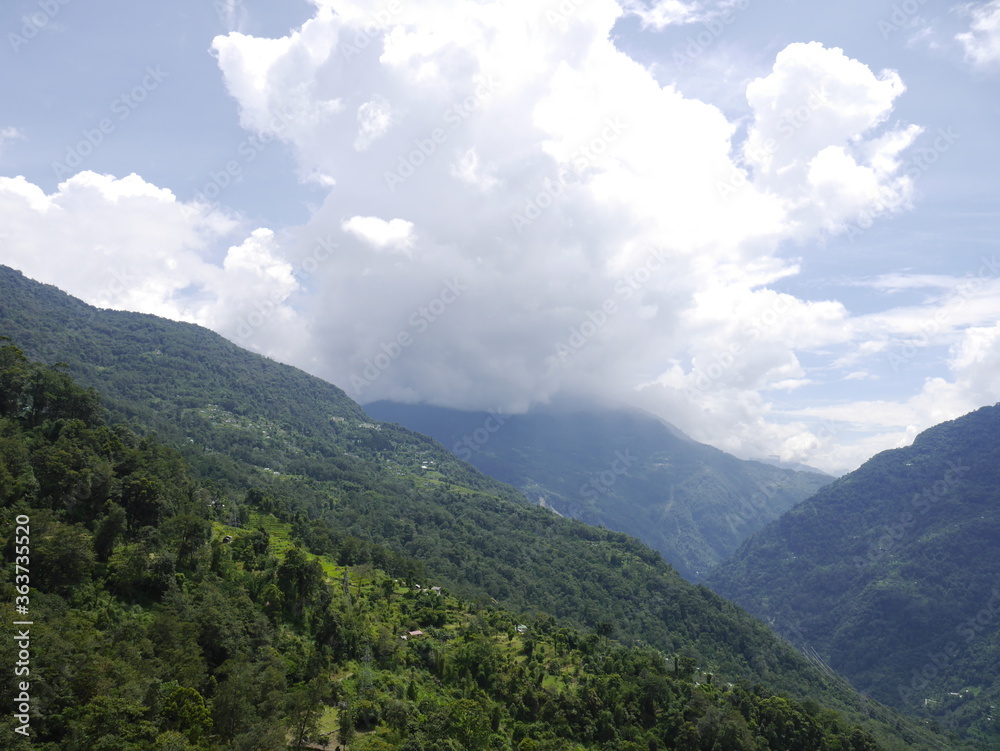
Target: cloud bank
x,y
516,209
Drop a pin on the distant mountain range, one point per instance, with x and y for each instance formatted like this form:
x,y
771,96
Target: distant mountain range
x,y
623,469
892,575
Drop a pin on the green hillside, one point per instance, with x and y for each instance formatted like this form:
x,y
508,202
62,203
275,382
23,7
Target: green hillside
x,y
892,575
262,437
622,469
155,626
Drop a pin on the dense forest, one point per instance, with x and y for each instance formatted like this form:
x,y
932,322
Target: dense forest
x,y
260,437
892,574
160,625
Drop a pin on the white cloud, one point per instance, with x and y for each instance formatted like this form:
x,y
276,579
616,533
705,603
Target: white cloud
x,y
571,225
659,14
231,12
614,255
127,244
395,234
982,41
374,119
815,137
8,134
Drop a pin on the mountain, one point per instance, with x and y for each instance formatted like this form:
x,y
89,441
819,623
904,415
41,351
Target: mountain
x,y
264,438
621,468
892,575
151,624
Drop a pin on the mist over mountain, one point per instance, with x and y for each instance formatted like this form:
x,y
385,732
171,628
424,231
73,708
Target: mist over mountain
x,y
620,468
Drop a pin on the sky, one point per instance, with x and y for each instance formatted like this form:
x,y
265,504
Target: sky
x,y
772,224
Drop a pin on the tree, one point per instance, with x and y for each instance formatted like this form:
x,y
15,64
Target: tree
x,y
305,709
345,724
184,710
111,527
62,555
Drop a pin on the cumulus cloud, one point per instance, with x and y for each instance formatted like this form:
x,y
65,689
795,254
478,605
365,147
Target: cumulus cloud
x,y
395,234
374,119
982,41
517,209
127,244
814,139
606,233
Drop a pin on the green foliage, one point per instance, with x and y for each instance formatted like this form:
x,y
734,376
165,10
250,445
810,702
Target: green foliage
x,y
890,575
621,469
263,441
174,645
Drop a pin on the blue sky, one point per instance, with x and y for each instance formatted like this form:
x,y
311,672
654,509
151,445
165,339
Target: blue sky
x,y
773,224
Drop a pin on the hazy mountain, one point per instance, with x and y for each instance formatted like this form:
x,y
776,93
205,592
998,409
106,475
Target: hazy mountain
x,y
621,468
892,575
267,438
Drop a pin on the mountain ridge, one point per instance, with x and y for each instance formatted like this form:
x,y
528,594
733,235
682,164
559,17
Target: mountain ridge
x,y
891,572
233,415
622,468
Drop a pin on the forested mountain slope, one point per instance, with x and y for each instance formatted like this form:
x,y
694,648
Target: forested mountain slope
x,y
264,437
154,626
623,469
892,574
